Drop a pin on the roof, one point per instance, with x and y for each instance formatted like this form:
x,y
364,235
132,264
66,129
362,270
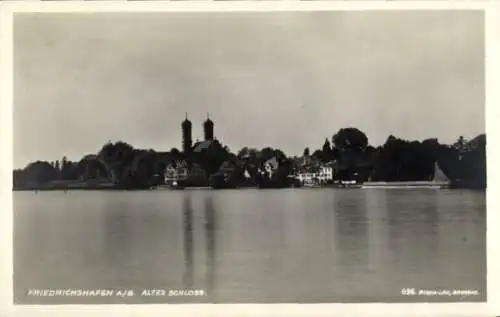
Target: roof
x,y
177,163
314,167
184,164
309,169
200,146
330,164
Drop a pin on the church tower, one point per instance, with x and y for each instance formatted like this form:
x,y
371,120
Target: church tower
x,y
208,128
187,135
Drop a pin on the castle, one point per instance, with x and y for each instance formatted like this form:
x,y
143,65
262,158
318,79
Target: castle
x,y
187,136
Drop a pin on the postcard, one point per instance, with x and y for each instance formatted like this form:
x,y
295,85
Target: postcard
x,y
250,158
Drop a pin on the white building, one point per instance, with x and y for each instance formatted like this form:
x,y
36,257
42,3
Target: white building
x,y
326,173
316,173
180,170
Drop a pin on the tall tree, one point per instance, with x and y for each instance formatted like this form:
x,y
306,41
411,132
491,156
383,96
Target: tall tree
x,y
350,145
327,153
460,143
64,168
350,138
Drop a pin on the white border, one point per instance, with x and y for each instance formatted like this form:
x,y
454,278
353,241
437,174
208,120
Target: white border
x,y
492,9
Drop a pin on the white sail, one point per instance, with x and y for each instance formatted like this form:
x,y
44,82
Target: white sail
x,y
439,175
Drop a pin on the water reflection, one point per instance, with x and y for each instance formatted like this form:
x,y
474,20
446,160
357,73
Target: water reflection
x,y
351,230
413,238
210,228
187,225
117,237
252,246
376,212
416,222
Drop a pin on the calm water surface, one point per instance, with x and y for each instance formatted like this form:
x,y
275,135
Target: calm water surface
x,y
297,245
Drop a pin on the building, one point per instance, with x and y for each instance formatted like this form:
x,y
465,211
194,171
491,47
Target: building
x,y
185,173
327,172
175,171
187,136
184,167
208,129
316,173
308,173
202,146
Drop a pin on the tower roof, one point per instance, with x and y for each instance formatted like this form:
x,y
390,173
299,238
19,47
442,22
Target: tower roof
x,y
186,121
208,121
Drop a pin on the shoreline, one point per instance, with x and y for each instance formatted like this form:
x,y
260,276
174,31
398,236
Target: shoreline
x,y
368,185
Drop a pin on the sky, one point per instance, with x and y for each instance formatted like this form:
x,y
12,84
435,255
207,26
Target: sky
x,y
284,79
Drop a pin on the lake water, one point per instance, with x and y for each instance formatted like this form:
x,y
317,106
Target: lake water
x,y
289,245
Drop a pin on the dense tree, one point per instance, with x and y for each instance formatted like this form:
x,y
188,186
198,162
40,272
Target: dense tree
x,y
65,168
460,143
280,156
37,172
402,160
119,156
266,154
143,170
466,162
349,150
318,155
396,160
350,138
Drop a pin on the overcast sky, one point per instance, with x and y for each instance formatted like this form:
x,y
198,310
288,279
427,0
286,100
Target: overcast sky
x,y
286,80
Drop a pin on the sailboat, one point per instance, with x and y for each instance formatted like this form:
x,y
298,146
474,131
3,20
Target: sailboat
x,y
439,180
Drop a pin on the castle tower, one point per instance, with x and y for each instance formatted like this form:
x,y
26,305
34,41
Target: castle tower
x,y
187,135
208,128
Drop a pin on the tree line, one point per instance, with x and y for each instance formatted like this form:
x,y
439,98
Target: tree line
x,y
396,160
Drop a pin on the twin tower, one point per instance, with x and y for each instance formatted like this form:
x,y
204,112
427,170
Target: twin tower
x,y
187,133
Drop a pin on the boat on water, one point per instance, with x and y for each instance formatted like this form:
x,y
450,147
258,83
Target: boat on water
x,y
440,181
347,184
311,185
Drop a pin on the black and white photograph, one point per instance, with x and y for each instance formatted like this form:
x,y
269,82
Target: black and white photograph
x,y
249,157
